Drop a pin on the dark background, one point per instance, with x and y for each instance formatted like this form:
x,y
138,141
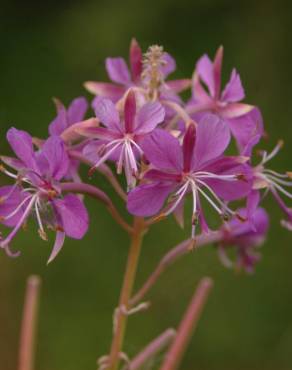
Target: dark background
x,y
49,49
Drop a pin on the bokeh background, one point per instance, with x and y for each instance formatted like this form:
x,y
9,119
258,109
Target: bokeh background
x,y
48,49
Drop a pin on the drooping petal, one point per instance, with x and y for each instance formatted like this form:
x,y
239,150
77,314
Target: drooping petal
x,y
12,162
233,91
59,241
163,150
169,66
178,214
54,152
148,117
204,68
107,113
135,60
59,123
213,137
77,109
130,112
10,199
73,215
252,204
105,90
147,200
118,71
21,143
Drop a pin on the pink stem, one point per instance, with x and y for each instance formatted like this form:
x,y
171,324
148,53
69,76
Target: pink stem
x,y
152,349
29,322
94,192
171,257
103,169
187,326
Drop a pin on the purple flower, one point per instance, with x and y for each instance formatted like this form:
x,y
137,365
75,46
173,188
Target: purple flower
x,y
120,139
244,120
37,191
197,167
64,125
141,75
275,182
246,237
67,117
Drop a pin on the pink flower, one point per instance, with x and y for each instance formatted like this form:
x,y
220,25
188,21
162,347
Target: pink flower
x,y
37,191
119,140
146,74
197,167
244,120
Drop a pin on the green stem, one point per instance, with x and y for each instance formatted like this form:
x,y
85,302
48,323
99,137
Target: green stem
x,y
129,279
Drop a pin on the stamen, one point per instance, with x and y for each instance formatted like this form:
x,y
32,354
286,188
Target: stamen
x,y
222,204
17,209
210,201
104,158
10,236
273,152
41,230
277,180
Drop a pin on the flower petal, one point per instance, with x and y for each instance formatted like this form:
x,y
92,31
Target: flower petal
x,y
98,133
135,60
107,113
148,117
59,241
247,130
204,68
217,66
53,151
117,70
10,198
169,66
59,123
233,91
73,215
147,200
233,189
179,85
130,111
21,143
77,110
213,137
234,110
105,90
163,150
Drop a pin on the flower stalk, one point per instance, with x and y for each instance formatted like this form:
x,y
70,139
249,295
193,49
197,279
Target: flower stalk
x,y
187,326
29,323
126,291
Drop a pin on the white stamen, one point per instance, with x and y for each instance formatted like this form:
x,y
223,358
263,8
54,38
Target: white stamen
x,y
17,209
10,236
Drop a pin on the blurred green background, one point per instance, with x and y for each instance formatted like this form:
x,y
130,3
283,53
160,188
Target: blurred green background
x,y
48,49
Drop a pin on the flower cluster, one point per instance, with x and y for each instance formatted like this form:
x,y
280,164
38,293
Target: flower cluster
x,y
169,149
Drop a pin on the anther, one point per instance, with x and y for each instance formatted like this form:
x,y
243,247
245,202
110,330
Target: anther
x,y
43,234
240,218
192,244
289,174
225,217
241,177
159,217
